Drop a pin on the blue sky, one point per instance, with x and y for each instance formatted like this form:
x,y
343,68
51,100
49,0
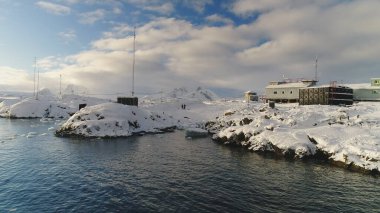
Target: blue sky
x,y
46,28
232,44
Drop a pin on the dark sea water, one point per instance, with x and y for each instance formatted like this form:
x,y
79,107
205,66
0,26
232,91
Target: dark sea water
x,y
165,173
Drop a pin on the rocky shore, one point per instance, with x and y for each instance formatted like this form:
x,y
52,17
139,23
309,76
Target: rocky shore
x,y
114,120
342,136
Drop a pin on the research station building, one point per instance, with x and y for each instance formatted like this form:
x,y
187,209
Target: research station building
x,y
326,95
286,91
367,92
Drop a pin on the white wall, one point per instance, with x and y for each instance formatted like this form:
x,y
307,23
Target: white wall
x,y
282,93
367,94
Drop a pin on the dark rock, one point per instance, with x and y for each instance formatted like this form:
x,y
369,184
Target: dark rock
x,y
247,121
312,140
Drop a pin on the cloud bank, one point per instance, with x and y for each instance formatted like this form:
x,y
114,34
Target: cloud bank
x,y
282,41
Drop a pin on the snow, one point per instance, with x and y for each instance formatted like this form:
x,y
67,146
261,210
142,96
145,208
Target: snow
x,y
6,104
153,115
46,106
197,94
185,94
348,135
114,120
288,85
362,86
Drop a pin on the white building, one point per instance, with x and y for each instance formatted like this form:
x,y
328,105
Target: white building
x,y
367,92
251,96
286,91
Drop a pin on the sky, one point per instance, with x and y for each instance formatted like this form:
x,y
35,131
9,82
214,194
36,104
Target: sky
x,y
230,45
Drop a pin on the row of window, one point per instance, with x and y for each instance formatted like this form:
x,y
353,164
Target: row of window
x,y
283,92
291,92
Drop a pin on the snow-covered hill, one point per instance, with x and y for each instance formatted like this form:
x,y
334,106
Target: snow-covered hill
x,y
183,94
199,94
346,136
46,105
114,120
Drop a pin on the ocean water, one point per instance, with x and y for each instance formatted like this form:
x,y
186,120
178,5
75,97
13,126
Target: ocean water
x,y
164,173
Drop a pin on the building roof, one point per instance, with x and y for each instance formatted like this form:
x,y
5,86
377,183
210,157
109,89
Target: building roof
x,y
362,86
288,85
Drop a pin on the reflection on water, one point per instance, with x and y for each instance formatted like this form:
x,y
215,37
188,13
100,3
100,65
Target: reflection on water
x,y
42,173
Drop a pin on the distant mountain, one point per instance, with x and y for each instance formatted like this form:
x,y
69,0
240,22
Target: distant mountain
x,y
199,93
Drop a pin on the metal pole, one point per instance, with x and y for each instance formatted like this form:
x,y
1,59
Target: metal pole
x,y
38,83
133,64
316,68
60,86
161,95
34,78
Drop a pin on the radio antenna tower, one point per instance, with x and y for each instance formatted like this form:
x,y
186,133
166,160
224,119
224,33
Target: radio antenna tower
x,y
316,68
34,78
38,82
133,64
60,86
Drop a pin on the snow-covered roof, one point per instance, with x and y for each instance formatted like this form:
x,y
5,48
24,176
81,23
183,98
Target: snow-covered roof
x,y
362,86
288,85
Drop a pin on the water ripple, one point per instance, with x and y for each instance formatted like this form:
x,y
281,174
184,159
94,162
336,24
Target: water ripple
x,y
165,173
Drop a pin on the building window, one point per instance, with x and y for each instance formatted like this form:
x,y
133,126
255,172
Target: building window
x,y
375,92
275,92
283,92
291,92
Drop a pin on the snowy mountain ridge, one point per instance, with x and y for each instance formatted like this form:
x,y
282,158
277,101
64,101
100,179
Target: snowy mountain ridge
x,y
199,93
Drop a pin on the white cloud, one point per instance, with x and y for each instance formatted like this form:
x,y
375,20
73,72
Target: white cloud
x,y
92,17
247,7
68,35
166,8
215,18
15,79
282,41
244,7
56,9
117,11
49,63
197,5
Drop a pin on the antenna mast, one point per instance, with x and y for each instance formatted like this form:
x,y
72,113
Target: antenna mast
x,y
34,78
38,83
60,86
133,64
316,68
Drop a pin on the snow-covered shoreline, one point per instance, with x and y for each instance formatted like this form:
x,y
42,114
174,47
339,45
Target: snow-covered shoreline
x,y
345,136
110,120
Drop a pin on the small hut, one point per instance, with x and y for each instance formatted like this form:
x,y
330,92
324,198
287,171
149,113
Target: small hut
x,y
251,96
131,101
